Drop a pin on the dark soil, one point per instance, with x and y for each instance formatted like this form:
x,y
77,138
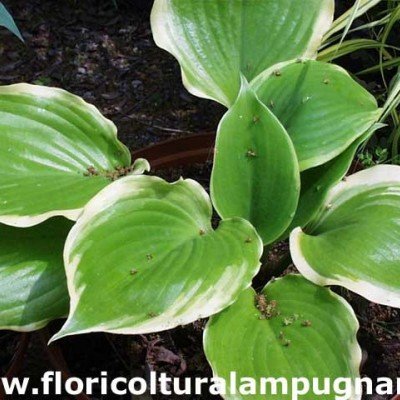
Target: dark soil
x,y
107,56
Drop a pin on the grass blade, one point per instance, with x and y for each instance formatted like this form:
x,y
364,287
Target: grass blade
x,y
359,8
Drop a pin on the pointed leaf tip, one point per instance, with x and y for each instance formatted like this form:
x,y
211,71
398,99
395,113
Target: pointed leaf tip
x,y
149,245
252,147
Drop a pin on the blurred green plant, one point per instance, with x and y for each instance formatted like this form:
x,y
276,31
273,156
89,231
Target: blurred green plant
x,y
377,21
369,159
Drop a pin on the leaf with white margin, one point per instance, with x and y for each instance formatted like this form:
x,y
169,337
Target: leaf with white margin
x,y
216,41
255,174
33,285
354,241
322,108
314,336
316,183
143,257
56,153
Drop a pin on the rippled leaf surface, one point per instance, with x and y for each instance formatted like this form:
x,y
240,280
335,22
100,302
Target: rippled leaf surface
x,y
33,285
217,41
56,152
311,334
255,174
144,258
354,241
322,108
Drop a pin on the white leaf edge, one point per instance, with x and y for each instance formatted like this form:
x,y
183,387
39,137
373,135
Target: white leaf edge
x,y
316,161
159,20
110,194
140,166
380,174
34,326
355,355
26,221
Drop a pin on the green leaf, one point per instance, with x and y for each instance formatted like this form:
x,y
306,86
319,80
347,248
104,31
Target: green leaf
x,y
7,21
255,174
354,240
313,336
315,184
322,108
33,286
215,41
57,152
148,245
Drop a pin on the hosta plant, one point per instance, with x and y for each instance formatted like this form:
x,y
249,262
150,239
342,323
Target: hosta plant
x,y
282,155
56,153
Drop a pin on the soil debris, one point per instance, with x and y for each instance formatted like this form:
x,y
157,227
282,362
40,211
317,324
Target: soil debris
x,y
119,172
267,309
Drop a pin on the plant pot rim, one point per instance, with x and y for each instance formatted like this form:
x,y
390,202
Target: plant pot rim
x,y
178,152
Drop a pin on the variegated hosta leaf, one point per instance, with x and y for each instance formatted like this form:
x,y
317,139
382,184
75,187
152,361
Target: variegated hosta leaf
x,y
255,174
143,258
56,152
322,108
354,241
316,183
33,286
215,41
293,329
